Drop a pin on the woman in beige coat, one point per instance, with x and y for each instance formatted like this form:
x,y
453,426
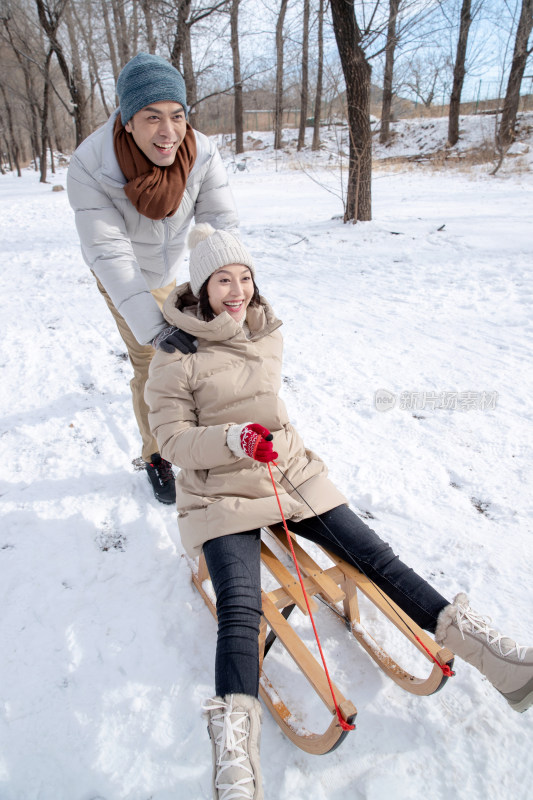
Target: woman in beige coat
x,y
201,407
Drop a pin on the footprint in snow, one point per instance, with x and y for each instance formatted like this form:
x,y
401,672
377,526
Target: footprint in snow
x,y
110,539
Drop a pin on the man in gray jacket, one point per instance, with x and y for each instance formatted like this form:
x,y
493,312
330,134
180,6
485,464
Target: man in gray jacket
x,y
135,185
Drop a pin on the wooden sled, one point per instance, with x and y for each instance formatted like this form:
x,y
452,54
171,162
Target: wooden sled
x,y
337,586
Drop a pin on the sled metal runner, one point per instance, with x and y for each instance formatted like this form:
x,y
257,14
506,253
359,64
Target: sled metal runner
x,y
337,586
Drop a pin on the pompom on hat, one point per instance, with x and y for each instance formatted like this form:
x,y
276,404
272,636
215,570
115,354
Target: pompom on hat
x,y
148,79
212,249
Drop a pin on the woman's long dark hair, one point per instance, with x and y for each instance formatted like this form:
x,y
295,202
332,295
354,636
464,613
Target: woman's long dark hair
x,y
203,301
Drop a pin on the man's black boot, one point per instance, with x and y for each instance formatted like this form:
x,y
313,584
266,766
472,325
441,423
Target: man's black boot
x,y
161,477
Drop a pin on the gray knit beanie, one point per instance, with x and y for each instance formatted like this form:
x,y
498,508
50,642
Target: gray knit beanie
x,y
211,250
148,79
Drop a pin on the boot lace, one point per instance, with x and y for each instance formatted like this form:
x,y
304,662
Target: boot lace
x,y
469,620
163,471
230,729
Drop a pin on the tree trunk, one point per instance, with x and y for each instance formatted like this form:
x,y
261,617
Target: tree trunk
x,y
88,38
319,78
189,77
459,72
121,31
184,7
49,20
13,147
304,94
392,41
237,78
44,115
506,131
2,157
110,40
77,72
55,127
357,72
31,104
150,36
278,109
181,56
133,36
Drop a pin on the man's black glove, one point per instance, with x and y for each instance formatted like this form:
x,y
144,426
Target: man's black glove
x,y
171,339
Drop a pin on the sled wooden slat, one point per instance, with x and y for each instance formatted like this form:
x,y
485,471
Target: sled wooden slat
x,y
262,641
290,724
287,581
350,603
393,612
313,671
314,743
350,580
281,598
409,628
325,585
338,586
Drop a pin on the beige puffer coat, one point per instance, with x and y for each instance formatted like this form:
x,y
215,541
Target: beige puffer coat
x,y
194,398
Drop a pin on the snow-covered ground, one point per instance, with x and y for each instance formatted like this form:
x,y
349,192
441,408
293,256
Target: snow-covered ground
x,y
106,649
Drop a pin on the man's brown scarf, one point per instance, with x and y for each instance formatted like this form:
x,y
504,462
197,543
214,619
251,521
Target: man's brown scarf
x,y
156,192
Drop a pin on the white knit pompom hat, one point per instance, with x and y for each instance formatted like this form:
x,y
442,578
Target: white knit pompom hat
x,y
212,249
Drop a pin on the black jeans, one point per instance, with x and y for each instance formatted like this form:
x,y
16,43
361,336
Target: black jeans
x,y
234,565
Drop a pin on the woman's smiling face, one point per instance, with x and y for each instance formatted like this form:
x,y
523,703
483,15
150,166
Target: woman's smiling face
x,y
230,289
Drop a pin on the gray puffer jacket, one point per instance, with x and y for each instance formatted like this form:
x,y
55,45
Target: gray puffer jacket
x,y
132,254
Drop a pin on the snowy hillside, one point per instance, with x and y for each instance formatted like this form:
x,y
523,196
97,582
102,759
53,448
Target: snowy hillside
x,y
411,140
107,651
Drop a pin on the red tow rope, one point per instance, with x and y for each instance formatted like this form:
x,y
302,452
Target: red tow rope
x,y
344,725
447,671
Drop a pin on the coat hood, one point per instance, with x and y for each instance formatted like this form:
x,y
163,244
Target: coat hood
x,y
181,309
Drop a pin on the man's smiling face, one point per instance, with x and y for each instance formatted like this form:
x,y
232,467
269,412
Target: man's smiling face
x,y
158,130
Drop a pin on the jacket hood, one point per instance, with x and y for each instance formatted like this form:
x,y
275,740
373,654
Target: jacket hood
x,y
181,309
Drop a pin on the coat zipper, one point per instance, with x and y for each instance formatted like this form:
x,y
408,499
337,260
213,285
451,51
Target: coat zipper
x,y
165,250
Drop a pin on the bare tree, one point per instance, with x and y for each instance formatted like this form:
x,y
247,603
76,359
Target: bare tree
x,y
181,54
237,77
278,108
390,47
319,78
16,33
146,6
304,94
110,39
122,33
84,30
10,139
459,72
357,72
76,69
522,51
44,116
33,83
50,18
427,75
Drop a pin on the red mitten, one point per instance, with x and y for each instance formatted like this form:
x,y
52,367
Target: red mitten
x,y
256,442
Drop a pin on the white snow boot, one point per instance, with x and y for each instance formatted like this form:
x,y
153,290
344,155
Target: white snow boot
x,y
506,664
234,724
